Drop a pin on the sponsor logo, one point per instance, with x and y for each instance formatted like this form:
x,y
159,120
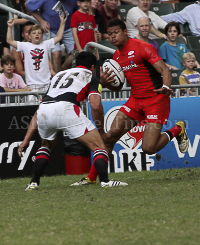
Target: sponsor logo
x,y
126,108
126,68
131,54
10,152
152,116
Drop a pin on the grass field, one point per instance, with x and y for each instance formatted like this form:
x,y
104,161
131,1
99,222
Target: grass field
x,y
157,207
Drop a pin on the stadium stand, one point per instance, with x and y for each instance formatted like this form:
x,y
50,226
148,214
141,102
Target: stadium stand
x,y
123,10
196,52
181,6
185,30
175,80
193,42
162,9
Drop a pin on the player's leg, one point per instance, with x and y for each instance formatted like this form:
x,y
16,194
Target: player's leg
x,y
42,159
121,124
95,143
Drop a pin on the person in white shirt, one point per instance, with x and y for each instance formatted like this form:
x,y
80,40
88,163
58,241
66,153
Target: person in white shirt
x,y
142,10
37,71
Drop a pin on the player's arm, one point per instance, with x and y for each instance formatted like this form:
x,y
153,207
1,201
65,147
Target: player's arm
x,y
30,132
161,67
9,38
106,79
61,30
97,112
18,64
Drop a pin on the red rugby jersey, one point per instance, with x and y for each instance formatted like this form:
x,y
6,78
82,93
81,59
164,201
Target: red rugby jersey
x,y
136,60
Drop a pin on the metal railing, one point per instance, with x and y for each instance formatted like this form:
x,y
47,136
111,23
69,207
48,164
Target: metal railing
x,y
99,46
18,13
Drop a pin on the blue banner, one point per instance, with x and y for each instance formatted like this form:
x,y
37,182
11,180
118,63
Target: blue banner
x,y
127,154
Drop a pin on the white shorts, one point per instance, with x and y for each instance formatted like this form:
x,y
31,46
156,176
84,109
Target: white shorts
x,y
62,116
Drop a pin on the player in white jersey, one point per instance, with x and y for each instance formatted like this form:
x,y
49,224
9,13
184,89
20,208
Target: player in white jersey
x,y
60,111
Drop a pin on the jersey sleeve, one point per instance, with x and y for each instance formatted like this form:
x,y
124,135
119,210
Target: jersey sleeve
x,y
150,54
50,43
21,46
95,86
73,22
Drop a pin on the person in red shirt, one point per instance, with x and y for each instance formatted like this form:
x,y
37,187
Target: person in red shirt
x,y
83,29
149,102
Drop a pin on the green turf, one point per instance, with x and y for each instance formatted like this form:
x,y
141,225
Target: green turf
x,y
156,208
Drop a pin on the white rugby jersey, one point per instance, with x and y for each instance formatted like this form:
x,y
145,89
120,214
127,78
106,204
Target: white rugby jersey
x,y
73,85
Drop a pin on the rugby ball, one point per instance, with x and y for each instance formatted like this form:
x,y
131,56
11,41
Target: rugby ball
x,y
117,70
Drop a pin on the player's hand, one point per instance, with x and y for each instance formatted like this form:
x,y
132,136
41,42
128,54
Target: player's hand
x,y
10,22
22,147
106,77
164,90
45,26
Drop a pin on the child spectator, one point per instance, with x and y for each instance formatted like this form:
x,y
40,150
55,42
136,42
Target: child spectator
x,y
189,76
83,29
171,51
36,64
10,81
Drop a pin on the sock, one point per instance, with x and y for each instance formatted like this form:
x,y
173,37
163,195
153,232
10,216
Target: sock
x,y
93,173
42,159
101,164
174,132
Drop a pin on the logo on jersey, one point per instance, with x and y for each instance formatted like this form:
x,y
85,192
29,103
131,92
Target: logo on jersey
x,y
152,116
131,54
87,25
37,56
126,68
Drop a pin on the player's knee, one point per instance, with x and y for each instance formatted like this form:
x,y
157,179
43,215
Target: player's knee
x,y
148,149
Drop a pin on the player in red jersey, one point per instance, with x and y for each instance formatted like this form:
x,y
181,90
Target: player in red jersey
x,y
150,81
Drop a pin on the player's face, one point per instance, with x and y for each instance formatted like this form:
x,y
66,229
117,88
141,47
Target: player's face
x,y
144,5
84,5
189,63
8,68
117,36
36,36
25,33
95,4
144,28
172,34
111,4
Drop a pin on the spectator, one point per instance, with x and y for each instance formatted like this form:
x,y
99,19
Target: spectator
x,y
49,21
20,6
171,51
4,47
109,12
36,54
93,9
83,25
142,10
189,76
144,27
19,57
10,81
190,15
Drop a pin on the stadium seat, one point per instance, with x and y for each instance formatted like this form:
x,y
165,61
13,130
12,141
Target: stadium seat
x,y
175,79
193,42
197,69
162,40
185,30
103,54
181,6
162,9
196,52
123,10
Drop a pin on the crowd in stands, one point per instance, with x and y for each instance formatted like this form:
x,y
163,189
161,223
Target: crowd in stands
x,y
30,65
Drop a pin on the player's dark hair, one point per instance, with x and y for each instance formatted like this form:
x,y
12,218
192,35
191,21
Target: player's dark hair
x,y
170,25
29,23
117,22
86,59
6,59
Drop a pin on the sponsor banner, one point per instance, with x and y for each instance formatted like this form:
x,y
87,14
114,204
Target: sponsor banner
x,y
127,154
13,127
